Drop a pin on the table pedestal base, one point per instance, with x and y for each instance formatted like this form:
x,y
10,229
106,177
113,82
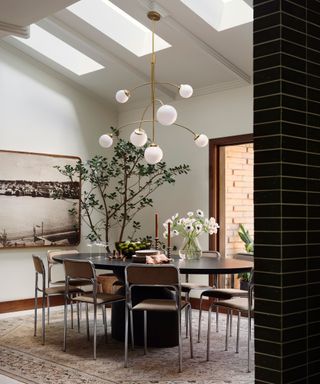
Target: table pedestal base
x,y
162,326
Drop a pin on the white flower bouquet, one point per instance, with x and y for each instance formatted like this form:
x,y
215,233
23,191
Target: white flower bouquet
x,y
190,228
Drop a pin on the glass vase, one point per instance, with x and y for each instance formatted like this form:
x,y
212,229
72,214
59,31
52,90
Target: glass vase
x,y
190,248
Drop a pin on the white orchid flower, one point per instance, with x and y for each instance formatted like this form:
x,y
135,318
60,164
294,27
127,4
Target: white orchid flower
x,y
175,233
188,228
190,214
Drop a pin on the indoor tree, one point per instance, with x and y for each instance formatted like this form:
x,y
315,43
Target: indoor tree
x,y
115,190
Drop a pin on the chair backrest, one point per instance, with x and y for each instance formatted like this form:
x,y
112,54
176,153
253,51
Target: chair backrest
x,y
79,269
40,270
51,262
214,254
58,252
251,288
38,265
144,274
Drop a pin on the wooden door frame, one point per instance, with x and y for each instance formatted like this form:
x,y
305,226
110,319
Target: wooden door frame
x,y
214,176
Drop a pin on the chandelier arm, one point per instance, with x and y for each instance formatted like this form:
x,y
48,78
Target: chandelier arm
x,y
187,129
156,83
139,86
160,101
168,83
142,117
145,111
134,122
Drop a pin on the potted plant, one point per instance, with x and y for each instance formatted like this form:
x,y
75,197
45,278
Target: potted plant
x,y
115,190
249,247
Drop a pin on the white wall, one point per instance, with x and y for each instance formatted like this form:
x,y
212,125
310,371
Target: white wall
x,y
220,114
42,112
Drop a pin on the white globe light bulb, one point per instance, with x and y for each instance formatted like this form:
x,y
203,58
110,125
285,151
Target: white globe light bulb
x,y
122,96
167,115
185,91
138,137
201,140
105,141
153,154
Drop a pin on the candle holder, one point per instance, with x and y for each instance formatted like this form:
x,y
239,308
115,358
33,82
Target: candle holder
x,y
168,252
156,243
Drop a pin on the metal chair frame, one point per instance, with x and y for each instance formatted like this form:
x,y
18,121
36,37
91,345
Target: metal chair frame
x,y
51,264
175,286
246,307
219,294
186,288
90,280
40,270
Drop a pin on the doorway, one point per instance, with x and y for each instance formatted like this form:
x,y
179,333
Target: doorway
x,y
231,191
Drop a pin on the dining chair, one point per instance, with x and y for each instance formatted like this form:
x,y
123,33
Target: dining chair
x,y
187,287
219,294
46,293
84,270
52,264
242,305
162,276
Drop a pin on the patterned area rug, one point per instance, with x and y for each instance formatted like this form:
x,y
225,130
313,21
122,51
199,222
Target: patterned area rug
x,y
24,358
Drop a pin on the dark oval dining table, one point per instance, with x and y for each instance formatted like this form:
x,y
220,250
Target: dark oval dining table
x,y
162,329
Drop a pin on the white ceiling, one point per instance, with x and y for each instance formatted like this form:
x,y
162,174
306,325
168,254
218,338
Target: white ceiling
x,y
200,56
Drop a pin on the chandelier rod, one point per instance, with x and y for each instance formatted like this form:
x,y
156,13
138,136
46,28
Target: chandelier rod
x,y
153,63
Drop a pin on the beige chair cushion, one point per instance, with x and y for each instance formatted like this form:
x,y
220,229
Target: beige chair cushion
x,y
102,298
60,289
238,303
162,305
186,287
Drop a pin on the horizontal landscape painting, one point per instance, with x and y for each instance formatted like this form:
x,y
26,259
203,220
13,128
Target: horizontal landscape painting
x,y
30,215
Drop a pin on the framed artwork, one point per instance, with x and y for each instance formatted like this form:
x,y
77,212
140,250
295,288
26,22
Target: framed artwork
x,y
30,213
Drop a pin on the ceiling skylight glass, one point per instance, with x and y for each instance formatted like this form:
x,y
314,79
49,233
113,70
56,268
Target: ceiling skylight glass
x,y
221,14
118,26
57,50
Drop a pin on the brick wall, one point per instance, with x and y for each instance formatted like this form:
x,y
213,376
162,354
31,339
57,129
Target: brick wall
x,y
238,163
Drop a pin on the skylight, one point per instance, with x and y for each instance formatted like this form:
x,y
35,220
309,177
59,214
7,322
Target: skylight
x,y
60,52
221,14
118,26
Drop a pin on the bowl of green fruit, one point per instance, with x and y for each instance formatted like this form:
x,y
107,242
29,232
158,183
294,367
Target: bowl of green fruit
x,y
129,248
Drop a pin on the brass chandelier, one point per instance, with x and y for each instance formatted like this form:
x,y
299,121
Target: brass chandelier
x,y
165,115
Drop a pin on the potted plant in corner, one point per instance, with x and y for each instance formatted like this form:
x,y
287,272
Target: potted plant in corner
x,y
116,189
249,247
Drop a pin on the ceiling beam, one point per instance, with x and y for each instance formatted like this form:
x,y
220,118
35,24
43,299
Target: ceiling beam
x,y
208,49
173,23
17,30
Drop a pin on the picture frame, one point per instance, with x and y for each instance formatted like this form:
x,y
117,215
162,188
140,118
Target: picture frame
x,y
31,215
